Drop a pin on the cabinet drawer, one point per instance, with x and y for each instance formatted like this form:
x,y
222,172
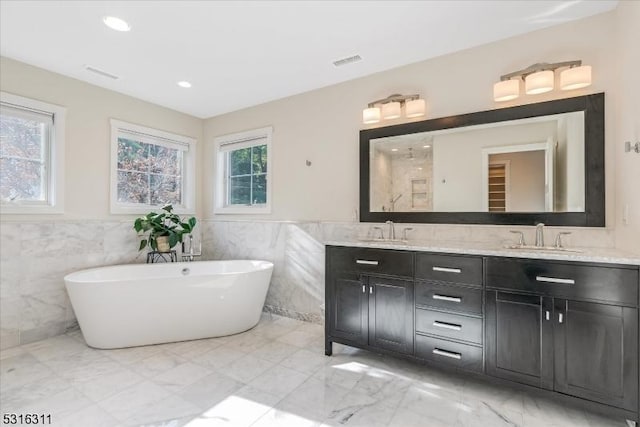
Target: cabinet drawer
x,y
449,268
450,353
368,260
449,325
566,280
449,297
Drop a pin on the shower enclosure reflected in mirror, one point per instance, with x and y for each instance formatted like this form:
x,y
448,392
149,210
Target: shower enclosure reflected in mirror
x,y
520,165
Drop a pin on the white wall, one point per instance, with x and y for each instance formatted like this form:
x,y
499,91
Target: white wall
x,y
627,126
89,109
323,125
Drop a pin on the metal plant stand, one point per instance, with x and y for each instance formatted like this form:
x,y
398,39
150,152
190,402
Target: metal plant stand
x,y
156,256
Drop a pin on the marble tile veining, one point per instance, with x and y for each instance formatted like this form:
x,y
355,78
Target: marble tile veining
x,y
277,384
35,257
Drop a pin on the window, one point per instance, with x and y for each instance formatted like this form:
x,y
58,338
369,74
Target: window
x,y
150,168
31,156
244,172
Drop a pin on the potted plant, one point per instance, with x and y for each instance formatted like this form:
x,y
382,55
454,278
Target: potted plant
x,y
165,229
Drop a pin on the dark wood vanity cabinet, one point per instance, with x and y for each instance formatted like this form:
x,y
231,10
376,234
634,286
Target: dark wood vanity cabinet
x,y
567,327
519,338
367,307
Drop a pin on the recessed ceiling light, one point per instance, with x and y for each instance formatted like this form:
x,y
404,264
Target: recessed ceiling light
x,y
184,84
394,149
426,146
116,23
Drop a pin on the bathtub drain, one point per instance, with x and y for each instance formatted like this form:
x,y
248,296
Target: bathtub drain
x,y
185,271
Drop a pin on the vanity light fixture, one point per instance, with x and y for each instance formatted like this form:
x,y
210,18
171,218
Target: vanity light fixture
x,y
540,78
391,108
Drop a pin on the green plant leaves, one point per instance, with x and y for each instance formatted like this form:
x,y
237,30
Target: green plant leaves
x,y
166,223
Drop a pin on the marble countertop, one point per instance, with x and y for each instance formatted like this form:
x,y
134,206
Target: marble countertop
x,y
601,255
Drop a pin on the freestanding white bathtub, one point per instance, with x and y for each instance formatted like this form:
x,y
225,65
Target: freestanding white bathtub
x,y
141,304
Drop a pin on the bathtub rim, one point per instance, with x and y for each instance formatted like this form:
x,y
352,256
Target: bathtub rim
x,y
71,277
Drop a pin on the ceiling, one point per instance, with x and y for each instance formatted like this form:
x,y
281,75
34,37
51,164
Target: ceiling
x,y
237,54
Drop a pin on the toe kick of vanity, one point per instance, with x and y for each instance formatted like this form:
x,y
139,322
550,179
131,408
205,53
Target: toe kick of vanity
x,y
567,327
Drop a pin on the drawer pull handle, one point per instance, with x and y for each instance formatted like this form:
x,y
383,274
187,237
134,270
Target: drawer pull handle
x,y
555,280
446,325
445,353
446,298
447,270
366,262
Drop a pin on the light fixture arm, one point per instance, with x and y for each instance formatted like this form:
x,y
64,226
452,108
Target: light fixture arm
x,y
540,67
396,97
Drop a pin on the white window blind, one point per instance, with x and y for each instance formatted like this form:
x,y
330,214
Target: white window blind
x,y
26,113
153,140
242,143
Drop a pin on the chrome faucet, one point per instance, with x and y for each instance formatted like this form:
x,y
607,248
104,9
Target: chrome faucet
x,y
540,235
392,230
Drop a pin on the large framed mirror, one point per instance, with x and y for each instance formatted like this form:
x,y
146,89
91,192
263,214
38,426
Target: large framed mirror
x,y
521,165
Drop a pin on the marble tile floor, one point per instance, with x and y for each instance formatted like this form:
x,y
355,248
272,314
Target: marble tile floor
x,y
273,375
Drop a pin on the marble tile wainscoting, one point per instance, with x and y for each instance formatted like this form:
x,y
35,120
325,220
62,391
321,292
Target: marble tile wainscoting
x,y
35,257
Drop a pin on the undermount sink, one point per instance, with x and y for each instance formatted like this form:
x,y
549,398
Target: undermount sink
x,y
541,248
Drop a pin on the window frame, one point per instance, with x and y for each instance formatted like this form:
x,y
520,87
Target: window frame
x,y
54,161
262,136
188,173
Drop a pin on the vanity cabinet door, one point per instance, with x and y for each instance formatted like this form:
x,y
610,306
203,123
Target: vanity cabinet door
x,y
349,309
595,348
519,338
391,314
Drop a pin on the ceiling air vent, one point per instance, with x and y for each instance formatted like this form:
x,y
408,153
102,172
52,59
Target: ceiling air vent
x,y
100,72
349,60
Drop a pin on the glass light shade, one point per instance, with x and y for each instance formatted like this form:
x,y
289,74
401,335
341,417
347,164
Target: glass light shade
x,y
391,110
506,90
371,115
539,82
414,108
575,78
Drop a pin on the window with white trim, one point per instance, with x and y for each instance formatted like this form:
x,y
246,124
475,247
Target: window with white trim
x,y
243,173
31,156
150,168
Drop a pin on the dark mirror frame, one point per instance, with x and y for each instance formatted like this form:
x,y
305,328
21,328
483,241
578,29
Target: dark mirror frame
x,y
594,215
